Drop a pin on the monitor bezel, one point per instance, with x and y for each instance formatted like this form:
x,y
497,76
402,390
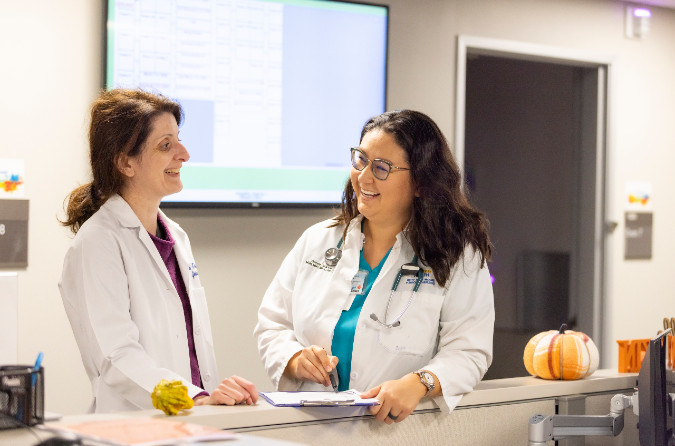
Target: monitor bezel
x,y
652,394
252,204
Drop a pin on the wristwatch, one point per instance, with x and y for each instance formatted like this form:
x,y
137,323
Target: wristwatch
x,y
428,380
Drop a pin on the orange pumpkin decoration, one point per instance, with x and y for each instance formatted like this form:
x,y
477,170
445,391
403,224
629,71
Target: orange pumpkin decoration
x,y
561,354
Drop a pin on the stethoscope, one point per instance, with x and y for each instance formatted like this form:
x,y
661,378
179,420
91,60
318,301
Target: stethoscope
x,y
333,256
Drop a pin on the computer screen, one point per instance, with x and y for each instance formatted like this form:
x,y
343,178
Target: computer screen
x,y
652,397
275,92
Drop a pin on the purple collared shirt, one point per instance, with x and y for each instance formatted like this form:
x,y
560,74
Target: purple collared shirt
x,y
166,252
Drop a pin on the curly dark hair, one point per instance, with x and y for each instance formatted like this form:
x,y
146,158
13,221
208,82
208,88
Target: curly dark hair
x,y
443,222
121,121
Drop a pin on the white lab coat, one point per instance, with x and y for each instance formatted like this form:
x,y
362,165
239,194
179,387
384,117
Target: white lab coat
x,y
125,311
446,330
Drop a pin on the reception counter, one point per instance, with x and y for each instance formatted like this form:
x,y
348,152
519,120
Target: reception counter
x,y
495,413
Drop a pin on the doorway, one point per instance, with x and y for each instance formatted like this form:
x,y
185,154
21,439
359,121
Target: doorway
x,y
532,146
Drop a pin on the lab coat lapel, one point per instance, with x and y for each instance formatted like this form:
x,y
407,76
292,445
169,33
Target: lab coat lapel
x,y
129,219
337,296
154,254
187,267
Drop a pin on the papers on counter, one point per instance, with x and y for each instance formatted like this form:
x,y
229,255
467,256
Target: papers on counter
x,y
141,432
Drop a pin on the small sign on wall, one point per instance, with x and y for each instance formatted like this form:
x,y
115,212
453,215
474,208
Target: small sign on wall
x,y
638,196
11,178
13,233
638,235
638,220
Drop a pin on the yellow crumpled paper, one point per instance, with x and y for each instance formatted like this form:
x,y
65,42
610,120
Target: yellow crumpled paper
x,y
171,397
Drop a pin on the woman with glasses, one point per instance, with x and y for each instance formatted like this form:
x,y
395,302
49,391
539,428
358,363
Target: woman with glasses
x,y
393,296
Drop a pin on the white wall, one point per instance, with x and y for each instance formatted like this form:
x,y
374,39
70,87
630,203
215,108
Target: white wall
x,y
51,68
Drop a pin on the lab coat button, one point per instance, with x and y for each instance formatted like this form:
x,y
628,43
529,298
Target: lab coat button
x,y
197,331
207,376
353,375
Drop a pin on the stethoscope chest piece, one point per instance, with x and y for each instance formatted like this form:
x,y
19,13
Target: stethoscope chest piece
x,y
333,256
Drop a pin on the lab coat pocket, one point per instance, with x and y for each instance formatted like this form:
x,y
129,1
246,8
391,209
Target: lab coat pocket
x,y
200,314
418,331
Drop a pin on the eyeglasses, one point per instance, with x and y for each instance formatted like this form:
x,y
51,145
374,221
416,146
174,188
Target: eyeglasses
x,y
380,168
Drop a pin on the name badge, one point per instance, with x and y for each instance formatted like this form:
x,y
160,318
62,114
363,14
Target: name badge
x,y
359,281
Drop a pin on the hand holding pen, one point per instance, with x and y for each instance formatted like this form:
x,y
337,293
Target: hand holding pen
x,y
312,364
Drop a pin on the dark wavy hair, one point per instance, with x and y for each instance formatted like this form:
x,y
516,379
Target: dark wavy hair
x,y
443,221
121,121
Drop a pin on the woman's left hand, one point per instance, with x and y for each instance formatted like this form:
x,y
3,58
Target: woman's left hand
x,y
398,398
231,391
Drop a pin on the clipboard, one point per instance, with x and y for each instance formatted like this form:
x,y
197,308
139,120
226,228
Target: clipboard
x,y
318,399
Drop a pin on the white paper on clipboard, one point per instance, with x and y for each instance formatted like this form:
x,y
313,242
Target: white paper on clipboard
x,y
318,399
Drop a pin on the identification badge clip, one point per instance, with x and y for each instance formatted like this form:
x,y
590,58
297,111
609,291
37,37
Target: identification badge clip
x,y
359,281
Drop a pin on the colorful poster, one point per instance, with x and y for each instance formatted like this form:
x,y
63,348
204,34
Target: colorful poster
x,y
638,196
11,178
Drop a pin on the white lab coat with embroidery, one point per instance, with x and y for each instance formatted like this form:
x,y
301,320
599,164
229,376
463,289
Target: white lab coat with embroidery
x,y
125,311
446,330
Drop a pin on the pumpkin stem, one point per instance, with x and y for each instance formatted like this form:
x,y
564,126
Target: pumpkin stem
x,y
563,327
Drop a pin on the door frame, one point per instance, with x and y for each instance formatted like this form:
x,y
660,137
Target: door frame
x,y
602,63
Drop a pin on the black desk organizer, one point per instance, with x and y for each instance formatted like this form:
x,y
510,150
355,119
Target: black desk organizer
x,y
21,396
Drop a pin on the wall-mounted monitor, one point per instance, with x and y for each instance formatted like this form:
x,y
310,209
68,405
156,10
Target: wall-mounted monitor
x,y
275,92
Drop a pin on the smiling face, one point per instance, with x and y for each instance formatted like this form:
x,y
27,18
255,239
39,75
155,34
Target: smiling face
x,y
387,202
155,173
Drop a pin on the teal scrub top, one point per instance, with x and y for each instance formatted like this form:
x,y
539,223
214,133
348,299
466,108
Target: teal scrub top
x,y
343,336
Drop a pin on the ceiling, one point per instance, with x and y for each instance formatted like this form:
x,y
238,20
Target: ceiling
x,y
662,3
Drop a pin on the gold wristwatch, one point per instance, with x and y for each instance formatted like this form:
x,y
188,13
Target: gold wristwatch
x,y
427,379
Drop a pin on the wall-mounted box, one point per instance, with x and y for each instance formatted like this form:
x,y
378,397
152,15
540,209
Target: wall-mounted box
x,y
13,233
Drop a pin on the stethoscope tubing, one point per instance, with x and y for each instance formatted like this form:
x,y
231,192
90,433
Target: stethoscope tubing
x,y
406,269
333,255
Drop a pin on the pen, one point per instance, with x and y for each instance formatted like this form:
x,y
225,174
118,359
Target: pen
x,y
332,382
38,364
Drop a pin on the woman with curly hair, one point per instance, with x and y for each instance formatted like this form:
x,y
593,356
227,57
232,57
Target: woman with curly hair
x,y
393,296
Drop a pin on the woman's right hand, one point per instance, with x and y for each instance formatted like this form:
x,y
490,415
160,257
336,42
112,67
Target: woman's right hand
x,y
311,364
231,391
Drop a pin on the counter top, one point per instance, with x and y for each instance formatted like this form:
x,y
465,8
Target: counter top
x,y
497,391
491,392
